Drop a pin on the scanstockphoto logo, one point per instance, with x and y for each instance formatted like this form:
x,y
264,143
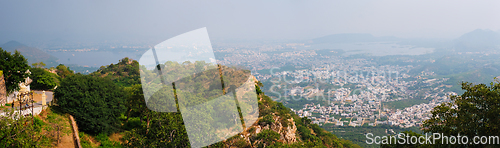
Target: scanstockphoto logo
x,y
181,74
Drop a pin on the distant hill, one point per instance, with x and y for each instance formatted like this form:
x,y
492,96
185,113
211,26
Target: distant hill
x,y
483,75
34,55
461,68
448,65
352,38
478,40
12,44
474,41
124,73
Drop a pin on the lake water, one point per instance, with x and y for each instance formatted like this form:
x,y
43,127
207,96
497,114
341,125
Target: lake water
x,y
374,48
100,58
93,58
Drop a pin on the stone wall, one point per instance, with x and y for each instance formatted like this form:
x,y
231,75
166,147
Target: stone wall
x,y
36,111
3,90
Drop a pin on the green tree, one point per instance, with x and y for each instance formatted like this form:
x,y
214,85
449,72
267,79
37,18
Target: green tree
x,y
165,130
96,103
267,119
20,131
155,129
475,113
124,60
123,73
135,100
268,137
14,68
63,71
43,80
39,65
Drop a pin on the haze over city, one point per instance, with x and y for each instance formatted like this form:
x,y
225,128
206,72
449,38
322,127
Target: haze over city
x,y
82,21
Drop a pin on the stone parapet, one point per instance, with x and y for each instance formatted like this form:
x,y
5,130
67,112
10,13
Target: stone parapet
x,y
3,90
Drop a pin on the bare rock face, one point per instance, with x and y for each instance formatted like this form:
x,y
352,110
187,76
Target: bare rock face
x,y
287,134
3,90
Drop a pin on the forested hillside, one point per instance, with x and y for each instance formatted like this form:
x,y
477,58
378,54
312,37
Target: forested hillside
x,y
276,125
124,73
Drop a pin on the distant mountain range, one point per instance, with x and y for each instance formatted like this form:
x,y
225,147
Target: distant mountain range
x,y
478,40
34,55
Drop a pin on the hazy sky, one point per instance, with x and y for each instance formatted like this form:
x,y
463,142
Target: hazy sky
x,y
160,20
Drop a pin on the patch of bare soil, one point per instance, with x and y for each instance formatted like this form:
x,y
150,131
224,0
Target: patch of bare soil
x,y
58,126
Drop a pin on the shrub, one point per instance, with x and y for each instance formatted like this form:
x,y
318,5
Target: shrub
x,y
96,103
268,136
267,119
105,142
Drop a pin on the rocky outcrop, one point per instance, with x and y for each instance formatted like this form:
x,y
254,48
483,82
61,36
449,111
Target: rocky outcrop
x,y
287,133
284,125
3,90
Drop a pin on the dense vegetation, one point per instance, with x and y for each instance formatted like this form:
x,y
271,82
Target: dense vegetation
x,y
96,103
124,73
144,127
15,133
64,71
357,134
475,112
148,128
43,79
14,67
